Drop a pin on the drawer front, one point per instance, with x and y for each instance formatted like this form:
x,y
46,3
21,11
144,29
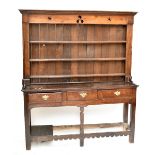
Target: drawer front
x,y
81,95
116,93
45,97
79,19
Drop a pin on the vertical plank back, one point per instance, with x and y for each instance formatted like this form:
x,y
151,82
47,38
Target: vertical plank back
x,y
79,32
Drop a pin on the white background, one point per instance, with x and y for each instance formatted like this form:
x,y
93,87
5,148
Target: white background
x,y
12,136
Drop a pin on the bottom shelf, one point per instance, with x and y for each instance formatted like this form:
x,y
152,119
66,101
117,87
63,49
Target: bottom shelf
x,y
45,132
41,130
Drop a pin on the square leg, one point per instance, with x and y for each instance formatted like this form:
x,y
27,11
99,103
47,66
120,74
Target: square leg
x,y
132,122
125,112
27,114
81,126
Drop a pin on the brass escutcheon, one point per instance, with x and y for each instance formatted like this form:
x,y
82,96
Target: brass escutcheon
x,y
45,97
83,94
117,93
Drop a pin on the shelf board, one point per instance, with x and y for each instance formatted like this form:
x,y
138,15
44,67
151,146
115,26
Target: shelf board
x,y
72,76
41,130
77,42
77,59
113,82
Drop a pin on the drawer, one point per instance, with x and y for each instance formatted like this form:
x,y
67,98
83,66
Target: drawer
x,y
81,95
40,98
116,93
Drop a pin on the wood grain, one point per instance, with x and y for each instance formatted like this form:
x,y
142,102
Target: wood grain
x,y
77,58
128,51
88,19
26,54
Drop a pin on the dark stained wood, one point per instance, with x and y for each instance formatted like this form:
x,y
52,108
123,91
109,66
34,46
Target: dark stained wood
x,y
132,121
128,52
74,51
115,100
116,93
78,42
78,95
81,126
86,19
26,56
80,59
78,75
41,130
63,12
125,113
77,136
82,49
98,50
66,51
27,114
90,126
90,50
85,86
59,49
77,58
45,98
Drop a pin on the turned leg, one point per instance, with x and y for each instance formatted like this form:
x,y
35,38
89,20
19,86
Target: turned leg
x,y
132,121
125,113
27,115
81,126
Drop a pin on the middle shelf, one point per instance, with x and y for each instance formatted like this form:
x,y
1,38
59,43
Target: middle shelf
x,y
78,59
77,42
77,75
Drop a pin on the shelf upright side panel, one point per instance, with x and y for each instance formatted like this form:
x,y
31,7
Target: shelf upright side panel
x,y
128,52
119,50
34,50
26,54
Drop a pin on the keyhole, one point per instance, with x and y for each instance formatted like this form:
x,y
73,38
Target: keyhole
x,y
109,19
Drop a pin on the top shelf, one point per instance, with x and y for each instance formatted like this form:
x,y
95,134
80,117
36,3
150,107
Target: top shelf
x,y
77,42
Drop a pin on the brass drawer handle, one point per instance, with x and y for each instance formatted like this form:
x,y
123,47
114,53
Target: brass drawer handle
x,y
45,97
83,94
117,93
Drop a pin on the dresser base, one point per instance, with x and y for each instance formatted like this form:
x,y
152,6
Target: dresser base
x,y
80,96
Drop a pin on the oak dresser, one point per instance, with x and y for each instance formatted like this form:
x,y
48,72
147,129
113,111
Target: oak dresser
x,y
77,58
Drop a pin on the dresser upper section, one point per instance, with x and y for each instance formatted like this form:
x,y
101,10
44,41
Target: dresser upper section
x,y
76,46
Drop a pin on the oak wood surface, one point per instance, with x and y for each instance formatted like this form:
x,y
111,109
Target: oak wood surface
x,y
77,58
62,12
